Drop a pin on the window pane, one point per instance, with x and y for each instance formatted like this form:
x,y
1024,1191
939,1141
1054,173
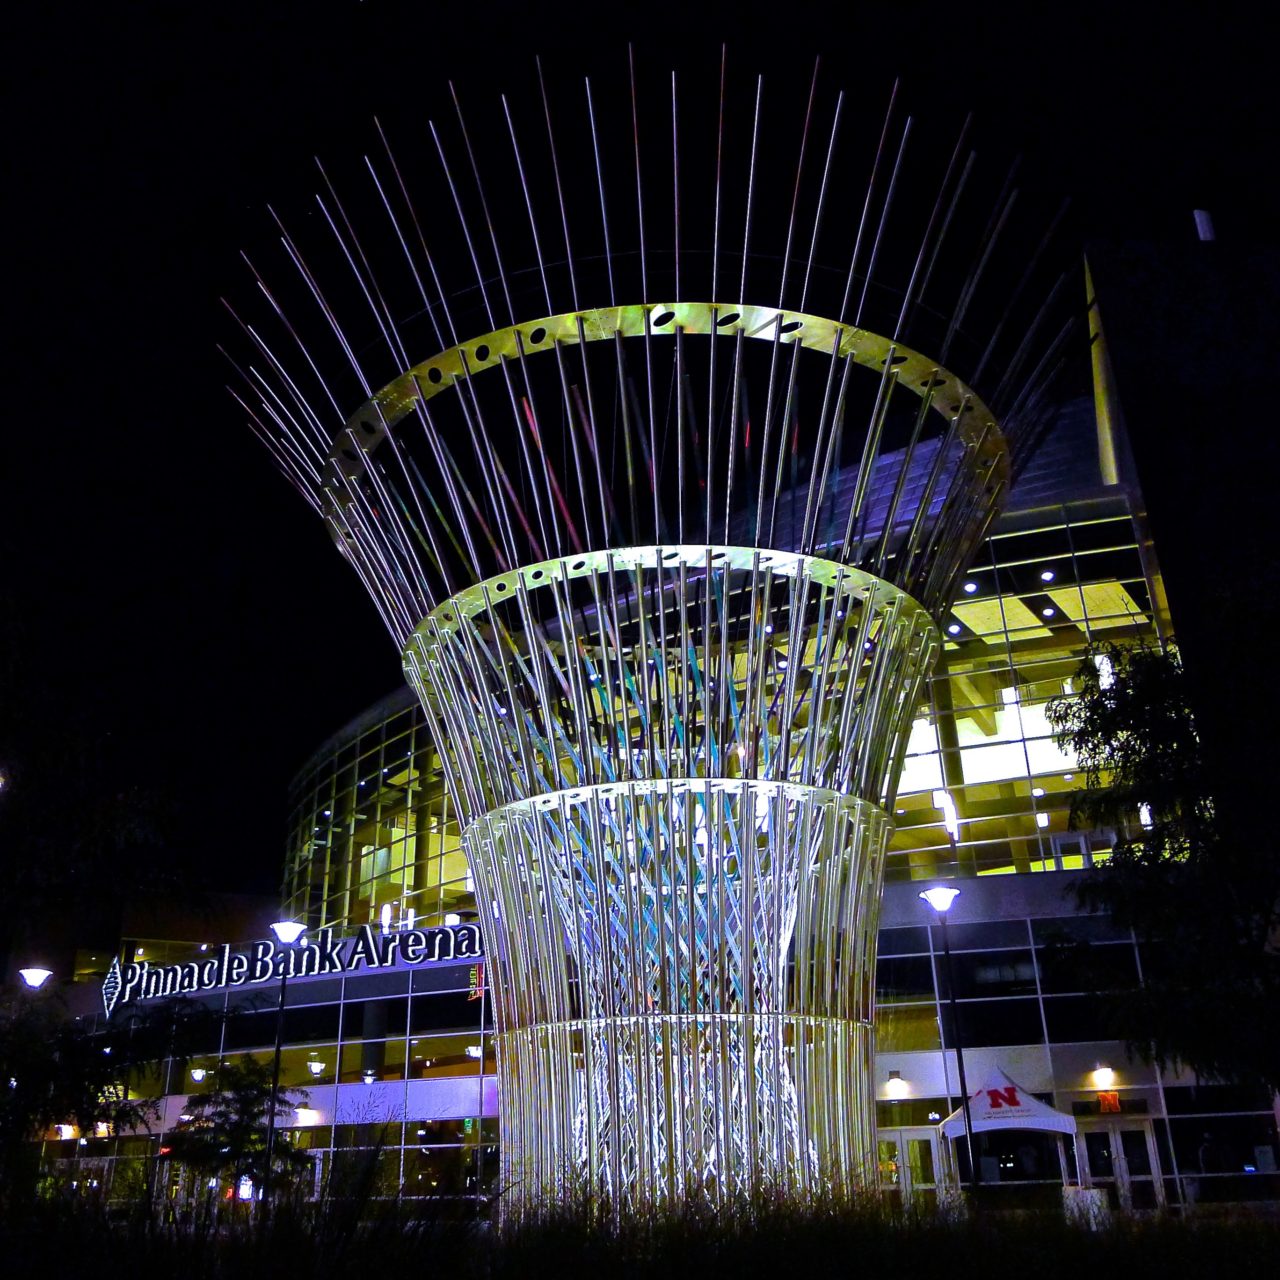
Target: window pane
x,y
990,973
901,942
904,978
1087,967
1077,1018
904,1027
992,1022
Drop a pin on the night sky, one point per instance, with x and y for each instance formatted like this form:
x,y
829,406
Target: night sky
x,y
170,600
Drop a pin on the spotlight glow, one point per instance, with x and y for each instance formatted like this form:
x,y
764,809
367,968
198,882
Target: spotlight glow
x,y
940,897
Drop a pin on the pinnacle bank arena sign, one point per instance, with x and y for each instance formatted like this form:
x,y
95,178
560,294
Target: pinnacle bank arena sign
x,y
267,961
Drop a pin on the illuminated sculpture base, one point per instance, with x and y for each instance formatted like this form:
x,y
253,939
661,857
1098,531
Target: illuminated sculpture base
x,y
682,1108
681,1021
670,765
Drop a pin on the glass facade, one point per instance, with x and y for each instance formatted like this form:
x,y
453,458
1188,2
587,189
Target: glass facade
x,y
396,1073
393,1067
399,1066
1047,583
372,838
1035,998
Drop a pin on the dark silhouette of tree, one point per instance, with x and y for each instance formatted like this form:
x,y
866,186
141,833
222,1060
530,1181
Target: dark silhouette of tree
x,y
1205,908
226,1136
56,1070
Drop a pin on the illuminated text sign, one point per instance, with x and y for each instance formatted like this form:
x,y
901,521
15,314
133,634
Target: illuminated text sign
x,y
267,961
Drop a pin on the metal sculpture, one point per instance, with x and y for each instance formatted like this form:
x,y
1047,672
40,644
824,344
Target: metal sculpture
x,y
668,610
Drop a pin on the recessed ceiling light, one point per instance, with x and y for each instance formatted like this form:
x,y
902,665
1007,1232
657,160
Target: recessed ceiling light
x,y
1047,575
1037,791
954,629
970,588
1047,612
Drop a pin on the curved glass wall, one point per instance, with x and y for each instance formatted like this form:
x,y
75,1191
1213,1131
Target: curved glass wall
x,y
1044,586
373,839
372,836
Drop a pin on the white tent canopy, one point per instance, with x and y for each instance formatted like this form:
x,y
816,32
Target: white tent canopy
x,y
1001,1103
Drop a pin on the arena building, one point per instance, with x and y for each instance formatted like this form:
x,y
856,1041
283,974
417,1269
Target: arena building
x,y
388,1024
733,583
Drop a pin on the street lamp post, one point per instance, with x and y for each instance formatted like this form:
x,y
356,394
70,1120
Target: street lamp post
x,y
940,899
288,932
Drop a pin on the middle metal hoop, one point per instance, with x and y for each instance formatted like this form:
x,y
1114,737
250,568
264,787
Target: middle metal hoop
x,y
671,662
671,766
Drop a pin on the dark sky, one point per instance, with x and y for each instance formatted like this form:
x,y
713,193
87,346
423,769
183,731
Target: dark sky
x,y
166,596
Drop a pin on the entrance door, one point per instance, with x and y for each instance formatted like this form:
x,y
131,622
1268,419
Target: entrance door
x,y
1122,1160
909,1165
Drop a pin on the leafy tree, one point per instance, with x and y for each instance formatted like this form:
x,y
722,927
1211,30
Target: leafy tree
x,y
164,1035
1206,908
226,1136
56,1070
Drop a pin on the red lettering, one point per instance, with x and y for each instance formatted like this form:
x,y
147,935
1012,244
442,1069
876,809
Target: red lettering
x,y
1006,1097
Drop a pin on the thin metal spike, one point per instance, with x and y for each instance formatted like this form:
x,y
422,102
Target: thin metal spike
x,y
635,134
555,169
572,435
1032,330
368,280
408,256
422,242
539,490
462,222
1021,287
986,246
298,261
827,444
909,296
751,184
675,183
734,402
528,204
884,217
604,212
388,334
280,315
942,235
484,204
822,198
866,204
795,194
715,226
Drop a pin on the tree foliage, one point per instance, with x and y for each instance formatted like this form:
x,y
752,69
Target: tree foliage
x,y
226,1135
56,1070
1207,909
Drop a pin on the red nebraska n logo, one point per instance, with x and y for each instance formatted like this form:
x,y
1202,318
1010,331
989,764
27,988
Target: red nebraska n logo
x,y
1006,1097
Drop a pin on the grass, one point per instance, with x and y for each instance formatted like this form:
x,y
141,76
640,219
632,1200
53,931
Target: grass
x,y
344,1238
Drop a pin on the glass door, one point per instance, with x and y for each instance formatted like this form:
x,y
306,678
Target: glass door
x,y
1122,1161
909,1166
889,1161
